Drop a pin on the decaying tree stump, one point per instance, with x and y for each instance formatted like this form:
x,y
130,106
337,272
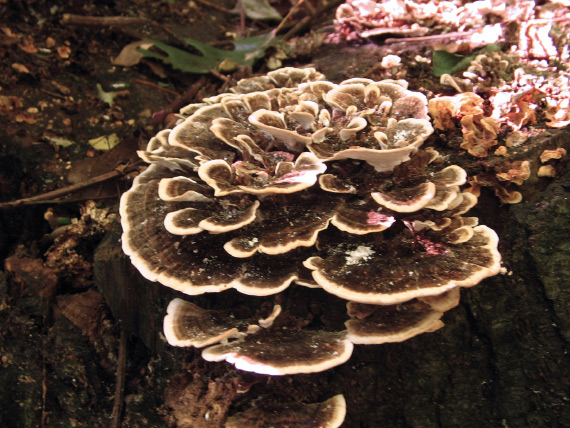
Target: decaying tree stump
x,y
501,360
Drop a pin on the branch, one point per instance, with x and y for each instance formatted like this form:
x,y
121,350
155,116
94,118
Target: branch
x,y
50,196
120,380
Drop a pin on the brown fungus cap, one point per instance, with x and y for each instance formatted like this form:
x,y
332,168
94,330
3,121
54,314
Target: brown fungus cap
x,y
285,177
362,217
383,147
257,345
398,192
328,414
445,301
546,171
385,273
188,221
518,172
283,352
158,150
407,200
394,323
186,324
289,222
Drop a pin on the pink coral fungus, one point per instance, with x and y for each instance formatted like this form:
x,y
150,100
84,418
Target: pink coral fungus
x,y
293,179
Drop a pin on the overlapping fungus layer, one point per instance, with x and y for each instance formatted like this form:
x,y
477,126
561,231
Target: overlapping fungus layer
x,y
293,179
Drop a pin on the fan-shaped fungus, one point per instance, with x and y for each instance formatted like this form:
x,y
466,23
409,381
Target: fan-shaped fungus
x,y
295,179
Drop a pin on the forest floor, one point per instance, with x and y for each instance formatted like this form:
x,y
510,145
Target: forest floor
x,y
77,100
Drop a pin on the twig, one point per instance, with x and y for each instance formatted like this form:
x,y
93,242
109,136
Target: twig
x,y
549,20
241,18
53,94
276,30
454,35
213,6
70,19
291,11
49,196
310,8
226,79
154,85
120,22
297,28
305,22
45,414
372,69
192,91
185,99
120,381
220,76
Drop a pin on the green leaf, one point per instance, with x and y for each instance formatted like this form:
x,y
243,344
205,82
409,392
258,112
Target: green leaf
x,y
245,53
444,62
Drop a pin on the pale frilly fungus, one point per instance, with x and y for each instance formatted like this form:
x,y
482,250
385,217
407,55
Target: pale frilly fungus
x,y
293,179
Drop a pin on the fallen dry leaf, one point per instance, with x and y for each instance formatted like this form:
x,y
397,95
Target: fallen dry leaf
x,y
106,142
61,88
84,310
7,31
63,52
28,46
24,117
20,68
130,54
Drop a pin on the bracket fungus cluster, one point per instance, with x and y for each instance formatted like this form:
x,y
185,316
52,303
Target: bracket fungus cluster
x,y
409,18
294,179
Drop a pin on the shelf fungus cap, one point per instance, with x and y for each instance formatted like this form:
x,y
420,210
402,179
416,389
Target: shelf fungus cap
x,y
282,229
193,263
375,274
445,301
407,200
361,218
328,414
441,193
382,147
284,352
189,325
186,324
274,123
286,177
394,323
